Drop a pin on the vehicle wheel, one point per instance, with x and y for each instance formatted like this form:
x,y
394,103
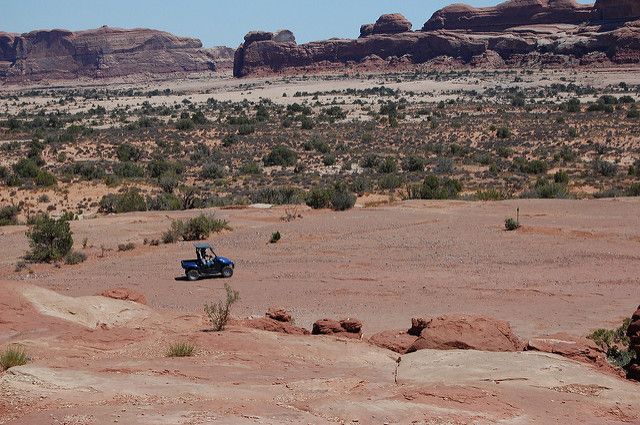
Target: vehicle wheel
x,y
227,272
193,275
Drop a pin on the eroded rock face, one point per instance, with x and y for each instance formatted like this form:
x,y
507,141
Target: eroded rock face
x,y
512,13
104,52
125,294
633,332
465,332
397,341
517,33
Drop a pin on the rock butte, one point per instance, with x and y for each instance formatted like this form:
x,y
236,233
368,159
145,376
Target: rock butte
x,y
517,33
103,53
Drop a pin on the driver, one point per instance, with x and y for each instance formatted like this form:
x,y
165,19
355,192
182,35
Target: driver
x,y
207,259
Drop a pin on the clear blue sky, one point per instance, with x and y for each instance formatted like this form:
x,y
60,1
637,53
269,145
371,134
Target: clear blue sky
x,y
216,22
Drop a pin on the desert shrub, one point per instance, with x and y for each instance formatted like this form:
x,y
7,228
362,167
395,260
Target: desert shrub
x,y
318,145
318,198
26,168
88,170
490,195
436,188
198,118
281,155
503,133
130,246
185,124
633,113
212,171
128,201
444,166
275,237
632,190
229,140
388,165
414,163
573,105
246,129
49,239
278,195
128,153
614,342
360,185
159,167
13,356
250,168
511,224
181,349
535,166
45,179
218,313
605,168
342,198
329,159
168,182
128,170
74,257
545,189
370,161
390,182
194,229
9,215
164,202
561,177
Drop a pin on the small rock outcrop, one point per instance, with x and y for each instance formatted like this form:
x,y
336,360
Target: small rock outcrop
x,y
398,341
393,23
100,53
279,314
350,328
276,319
633,332
466,332
417,326
125,294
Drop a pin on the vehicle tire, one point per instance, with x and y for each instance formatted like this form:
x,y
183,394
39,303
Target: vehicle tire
x,y
193,275
227,272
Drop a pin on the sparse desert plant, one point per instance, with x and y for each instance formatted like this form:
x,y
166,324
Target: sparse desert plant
x,y
275,237
342,198
436,188
49,239
181,349
126,246
74,257
511,224
194,229
9,215
281,155
218,313
614,342
13,356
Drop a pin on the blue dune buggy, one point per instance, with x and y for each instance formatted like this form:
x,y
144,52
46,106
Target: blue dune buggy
x,y
207,264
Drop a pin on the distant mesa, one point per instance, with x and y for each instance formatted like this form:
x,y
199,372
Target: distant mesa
x,y
102,53
516,33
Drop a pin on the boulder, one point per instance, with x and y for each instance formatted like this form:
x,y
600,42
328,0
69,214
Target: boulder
x,y
125,294
466,332
279,314
394,23
395,340
284,36
271,325
350,328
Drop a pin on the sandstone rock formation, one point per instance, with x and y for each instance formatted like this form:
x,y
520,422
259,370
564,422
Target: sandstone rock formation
x,y
517,33
279,314
99,53
398,341
271,325
465,332
633,332
350,328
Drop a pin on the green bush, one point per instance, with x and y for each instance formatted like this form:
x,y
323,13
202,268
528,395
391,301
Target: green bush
x,y
194,229
74,257
319,198
342,198
164,202
129,201
13,356
436,188
9,215
633,190
281,155
545,189
503,133
88,170
49,239
490,195
414,163
511,224
185,124
605,168
45,179
212,171
128,153
388,165
275,237
390,182
278,195
181,349
128,170
218,313
26,168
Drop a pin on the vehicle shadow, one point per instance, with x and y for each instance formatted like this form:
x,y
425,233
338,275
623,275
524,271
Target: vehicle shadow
x,y
184,278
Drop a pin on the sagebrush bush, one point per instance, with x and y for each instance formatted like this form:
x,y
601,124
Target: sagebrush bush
x,y
181,349
281,155
278,195
13,356
436,188
128,201
218,313
319,198
75,257
194,229
9,215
